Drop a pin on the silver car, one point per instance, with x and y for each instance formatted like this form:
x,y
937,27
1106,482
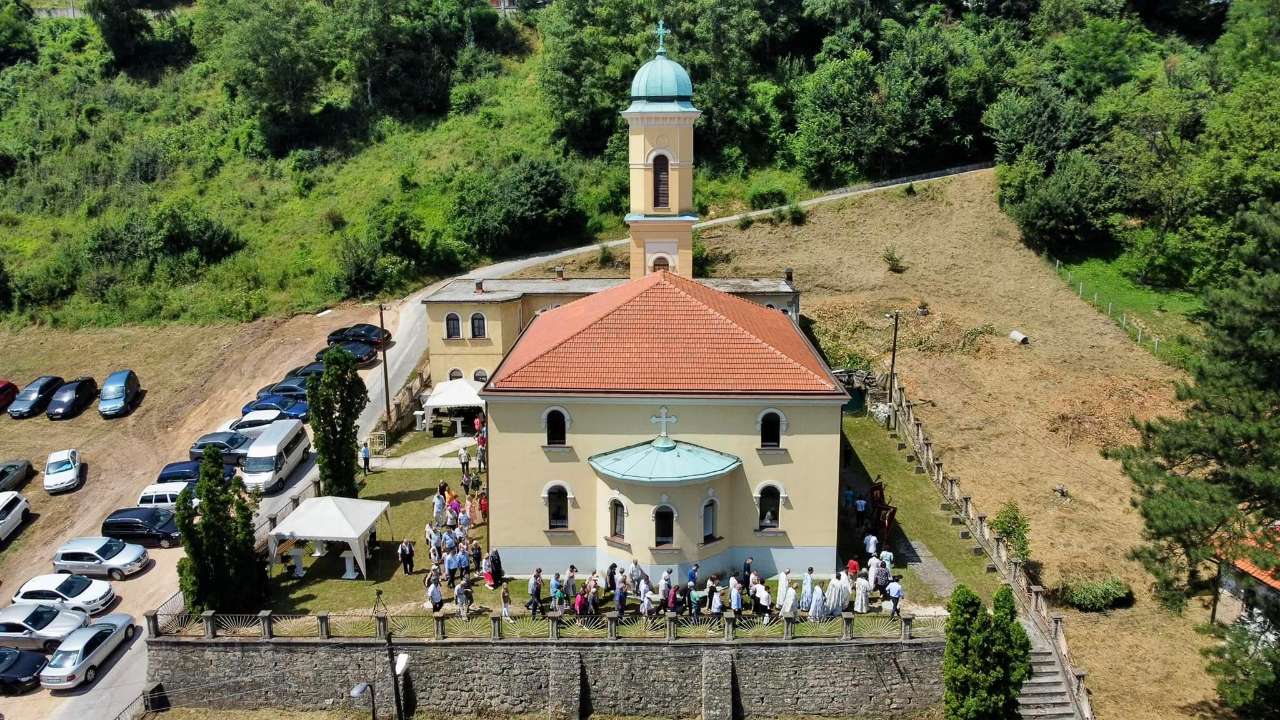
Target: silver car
x,y
42,627
100,556
77,659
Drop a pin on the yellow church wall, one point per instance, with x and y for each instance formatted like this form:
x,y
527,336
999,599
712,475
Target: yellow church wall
x,y
468,354
531,305
671,232
676,140
806,469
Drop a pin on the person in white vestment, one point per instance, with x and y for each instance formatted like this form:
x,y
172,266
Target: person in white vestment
x,y
806,590
818,606
788,599
783,581
862,595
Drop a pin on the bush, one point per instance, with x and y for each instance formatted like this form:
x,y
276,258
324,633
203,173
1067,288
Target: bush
x,y
359,266
745,222
764,196
796,215
605,257
334,219
465,98
893,260
1010,522
524,206
1091,595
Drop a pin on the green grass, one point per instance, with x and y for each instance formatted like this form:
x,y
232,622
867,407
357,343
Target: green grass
x,y
414,441
1159,313
919,513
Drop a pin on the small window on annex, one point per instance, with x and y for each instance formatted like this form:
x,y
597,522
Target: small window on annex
x,y
556,428
771,430
617,520
664,523
452,326
709,521
770,504
558,508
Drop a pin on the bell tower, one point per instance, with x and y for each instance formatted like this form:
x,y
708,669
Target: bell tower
x,y
660,151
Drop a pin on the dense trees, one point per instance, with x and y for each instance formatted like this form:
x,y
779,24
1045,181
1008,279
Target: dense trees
x,y
528,204
16,41
987,657
221,570
336,398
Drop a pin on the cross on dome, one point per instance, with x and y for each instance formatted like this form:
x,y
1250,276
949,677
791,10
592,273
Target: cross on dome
x,y
662,33
663,419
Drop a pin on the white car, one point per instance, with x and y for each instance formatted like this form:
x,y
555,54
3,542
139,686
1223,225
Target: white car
x,y
68,592
254,423
62,471
14,511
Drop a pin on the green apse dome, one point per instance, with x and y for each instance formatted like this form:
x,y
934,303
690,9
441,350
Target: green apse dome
x,y
661,85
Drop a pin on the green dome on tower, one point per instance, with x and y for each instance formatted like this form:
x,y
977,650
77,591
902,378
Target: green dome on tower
x,y
661,85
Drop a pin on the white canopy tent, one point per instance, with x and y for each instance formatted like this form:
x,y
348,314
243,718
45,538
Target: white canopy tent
x,y
332,519
454,393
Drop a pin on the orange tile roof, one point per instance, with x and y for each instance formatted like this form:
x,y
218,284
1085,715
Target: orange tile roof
x,y
664,333
1268,538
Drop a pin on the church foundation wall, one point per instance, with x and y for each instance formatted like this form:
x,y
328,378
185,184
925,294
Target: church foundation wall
x,y
567,679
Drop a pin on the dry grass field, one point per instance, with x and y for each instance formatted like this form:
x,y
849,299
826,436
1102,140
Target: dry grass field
x,y
1011,421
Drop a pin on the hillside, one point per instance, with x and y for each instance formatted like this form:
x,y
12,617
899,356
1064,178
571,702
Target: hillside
x,y
1012,421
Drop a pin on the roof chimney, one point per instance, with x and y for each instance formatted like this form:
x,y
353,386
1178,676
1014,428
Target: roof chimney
x,y
789,274
559,272
480,285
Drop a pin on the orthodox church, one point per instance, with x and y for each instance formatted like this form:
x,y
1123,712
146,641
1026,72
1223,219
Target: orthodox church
x,y
658,418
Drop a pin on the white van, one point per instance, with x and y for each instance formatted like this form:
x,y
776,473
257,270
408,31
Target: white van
x,y
161,495
275,454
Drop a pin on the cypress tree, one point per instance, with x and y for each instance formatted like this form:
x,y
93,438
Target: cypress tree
x,y
221,570
987,658
336,397
961,660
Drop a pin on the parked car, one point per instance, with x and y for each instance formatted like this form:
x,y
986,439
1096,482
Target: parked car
x,y
253,423
9,391
233,446
14,472
287,406
41,626
188,471
364,354
72,398
19,670
63,471
362,333
14,511
80,656
164,495
143,525
305,371
34,397
68,592
120,392
112,557
295,388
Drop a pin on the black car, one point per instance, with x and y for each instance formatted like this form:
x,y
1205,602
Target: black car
x,y
72,398
305,371
142,525
188,471
19,670
294,388
233,445
34,397
364,354
362,333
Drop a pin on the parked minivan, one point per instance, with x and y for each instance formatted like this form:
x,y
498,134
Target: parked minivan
x,y
119,393
162,495
275,454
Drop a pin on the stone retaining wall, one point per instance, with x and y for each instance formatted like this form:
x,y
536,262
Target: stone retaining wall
x,y
567,679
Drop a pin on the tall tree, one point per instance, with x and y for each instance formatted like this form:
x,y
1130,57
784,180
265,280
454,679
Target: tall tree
x,y
336,397
967,621
123,26
1209,482
16,41
1247,667
221,570
986,660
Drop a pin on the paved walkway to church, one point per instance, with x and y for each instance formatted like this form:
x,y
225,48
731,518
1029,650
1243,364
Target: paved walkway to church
x,y
928,568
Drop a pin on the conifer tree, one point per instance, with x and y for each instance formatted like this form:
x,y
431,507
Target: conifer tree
x,y
987,658
222,570
336,397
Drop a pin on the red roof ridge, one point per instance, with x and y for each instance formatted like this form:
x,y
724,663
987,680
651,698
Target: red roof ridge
x,y
735,323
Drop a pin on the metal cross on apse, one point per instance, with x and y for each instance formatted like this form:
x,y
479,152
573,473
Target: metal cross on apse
x,y
663,419
662,33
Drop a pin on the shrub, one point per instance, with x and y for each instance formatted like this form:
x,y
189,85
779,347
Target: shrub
x,y
359,270
762,197
893,260
1010,522
745,222
605,257
334,219
1095,595
909,190
465,98
796,215
525,205
702,259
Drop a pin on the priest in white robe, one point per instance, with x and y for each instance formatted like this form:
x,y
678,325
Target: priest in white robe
x,y
788,599
806,589
862,594
818,606
783,581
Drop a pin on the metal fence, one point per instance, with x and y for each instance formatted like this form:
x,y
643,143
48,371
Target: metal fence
x,y
555,626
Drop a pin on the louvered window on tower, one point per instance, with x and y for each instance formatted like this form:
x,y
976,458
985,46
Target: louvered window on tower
x,y
661,182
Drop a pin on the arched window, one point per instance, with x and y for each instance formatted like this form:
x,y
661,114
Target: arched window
x,y
769,305
770,505
661,182
664,525
661,263
455,374
558,508
452,326
556,427
770,430
617,520
480,375
477,325
709,521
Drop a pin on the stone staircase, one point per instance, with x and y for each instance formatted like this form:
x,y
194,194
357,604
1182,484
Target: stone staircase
x,y
1044,694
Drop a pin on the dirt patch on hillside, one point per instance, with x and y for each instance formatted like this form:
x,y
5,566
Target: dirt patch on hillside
x,y
1011,421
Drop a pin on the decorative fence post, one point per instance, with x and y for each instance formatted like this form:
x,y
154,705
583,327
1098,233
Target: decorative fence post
x,y
553,623
322,619
272,520
210,629
612,619
380,625
730,623
1037,599
966,506
153,625
671,627
847,632
1081,693
982,526
907,619
789,625
937,472
1015,567
264,617
495,625
1000,553
439,622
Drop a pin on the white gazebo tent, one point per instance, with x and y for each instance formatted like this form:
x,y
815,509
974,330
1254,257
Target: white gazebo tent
x,y
454,394
332,519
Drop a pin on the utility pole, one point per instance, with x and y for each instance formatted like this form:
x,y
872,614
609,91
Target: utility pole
x,y
893,356
386,381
